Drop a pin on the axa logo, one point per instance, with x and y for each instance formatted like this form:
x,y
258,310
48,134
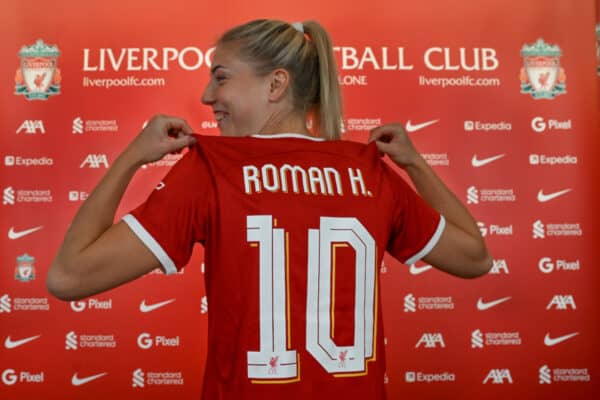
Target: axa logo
x,y
431,341
499,266
95,161
31,127
499,376
562,302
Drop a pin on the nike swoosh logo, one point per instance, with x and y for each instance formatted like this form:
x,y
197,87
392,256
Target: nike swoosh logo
x,y
542,198
551,342
419,270
82,381
482,306
11,344
480,163
152,307
16,235
413,128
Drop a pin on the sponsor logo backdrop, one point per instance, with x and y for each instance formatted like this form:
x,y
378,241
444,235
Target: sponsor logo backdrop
x,y
501,98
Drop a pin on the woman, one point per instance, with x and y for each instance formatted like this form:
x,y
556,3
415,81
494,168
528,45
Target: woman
x,y
294,226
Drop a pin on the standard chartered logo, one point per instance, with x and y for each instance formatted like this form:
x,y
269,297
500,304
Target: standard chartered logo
x,y
5,304
204,304
477,339
71,341
8,196
144,341
410,304
138,378
545,375
538,230
538,124
78,125
472,195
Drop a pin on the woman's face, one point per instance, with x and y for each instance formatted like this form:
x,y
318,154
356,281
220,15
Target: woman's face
x,y
238,97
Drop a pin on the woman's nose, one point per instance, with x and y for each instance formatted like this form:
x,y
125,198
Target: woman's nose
x,y
207,95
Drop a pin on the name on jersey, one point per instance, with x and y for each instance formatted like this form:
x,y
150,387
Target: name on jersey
x,y
299,180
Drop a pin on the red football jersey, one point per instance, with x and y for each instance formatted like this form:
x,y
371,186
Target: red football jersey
x,y
294,230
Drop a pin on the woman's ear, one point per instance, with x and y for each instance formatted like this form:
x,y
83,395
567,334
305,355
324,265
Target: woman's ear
x,y
280,81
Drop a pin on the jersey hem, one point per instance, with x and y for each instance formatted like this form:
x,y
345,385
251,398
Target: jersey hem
x,y
430,244
151,244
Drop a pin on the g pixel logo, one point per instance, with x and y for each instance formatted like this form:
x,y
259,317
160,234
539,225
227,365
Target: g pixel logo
x,y
546,265
482,228
9,377
144,341
538,124
78,306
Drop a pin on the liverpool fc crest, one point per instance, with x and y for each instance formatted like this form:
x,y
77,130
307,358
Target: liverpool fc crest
x,y
38,76
541,75
25,270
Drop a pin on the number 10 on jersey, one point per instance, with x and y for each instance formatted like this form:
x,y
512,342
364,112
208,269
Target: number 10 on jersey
x,y
273,360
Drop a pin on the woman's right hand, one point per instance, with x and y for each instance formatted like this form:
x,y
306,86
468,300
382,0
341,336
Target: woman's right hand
x,y
391,139
162,135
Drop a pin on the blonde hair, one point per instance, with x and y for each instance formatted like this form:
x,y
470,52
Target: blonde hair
x,y
308,57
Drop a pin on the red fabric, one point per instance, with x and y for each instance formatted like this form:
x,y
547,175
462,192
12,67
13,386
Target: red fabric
x,y
204,199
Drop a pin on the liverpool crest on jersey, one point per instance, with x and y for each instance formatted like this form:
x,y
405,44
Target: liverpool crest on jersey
x,y
25,270
38,76
542,76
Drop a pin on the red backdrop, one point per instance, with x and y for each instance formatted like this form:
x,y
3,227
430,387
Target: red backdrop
x,y
501,97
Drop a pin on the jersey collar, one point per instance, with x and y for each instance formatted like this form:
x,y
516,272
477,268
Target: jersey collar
x,y
288,135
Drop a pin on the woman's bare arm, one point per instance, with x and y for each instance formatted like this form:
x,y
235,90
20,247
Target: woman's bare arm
x,y
460,250
97,255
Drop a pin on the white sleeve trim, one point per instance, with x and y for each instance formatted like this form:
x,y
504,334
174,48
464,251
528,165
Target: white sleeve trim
x,y
432,242
151,243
